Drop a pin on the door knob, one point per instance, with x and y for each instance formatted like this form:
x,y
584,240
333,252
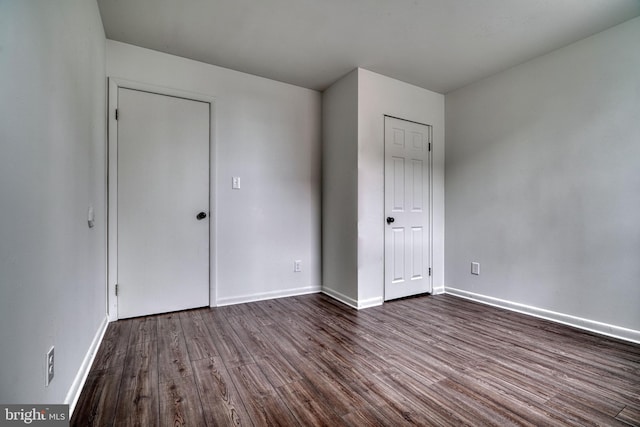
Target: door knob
x,y
390,219
201,215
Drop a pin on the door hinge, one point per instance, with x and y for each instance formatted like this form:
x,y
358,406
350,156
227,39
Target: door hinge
x,y
429,146
117,286
429,271
117,115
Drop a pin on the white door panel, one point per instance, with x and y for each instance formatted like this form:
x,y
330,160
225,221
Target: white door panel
x,y
407,198
163,183
398,254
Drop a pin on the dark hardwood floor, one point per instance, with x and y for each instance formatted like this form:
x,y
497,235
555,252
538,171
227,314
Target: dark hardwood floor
x,y
433,360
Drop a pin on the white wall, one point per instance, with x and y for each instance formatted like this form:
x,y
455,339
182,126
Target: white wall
x,y
379,95
361,279
543,182
52,167
340,189
267,133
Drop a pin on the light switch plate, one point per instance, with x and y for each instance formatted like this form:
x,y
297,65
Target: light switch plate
x,y
475,268
91,217
235,183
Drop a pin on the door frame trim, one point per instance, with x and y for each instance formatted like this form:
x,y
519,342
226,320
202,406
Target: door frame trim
x,y
112,179
430,209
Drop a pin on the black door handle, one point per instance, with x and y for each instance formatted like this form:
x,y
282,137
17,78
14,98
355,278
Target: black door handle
x,y
390,219
201,215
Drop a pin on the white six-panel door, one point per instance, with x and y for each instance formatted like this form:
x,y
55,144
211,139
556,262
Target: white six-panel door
x,y
407,209
162,200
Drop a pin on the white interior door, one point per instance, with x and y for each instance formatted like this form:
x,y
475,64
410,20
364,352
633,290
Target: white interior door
x,y
407,209
162,196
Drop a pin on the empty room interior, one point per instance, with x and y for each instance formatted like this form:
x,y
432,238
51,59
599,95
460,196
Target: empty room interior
x,y
321,212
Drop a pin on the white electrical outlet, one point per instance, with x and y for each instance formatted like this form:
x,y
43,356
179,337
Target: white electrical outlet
x,y
50,367
475,268
297,266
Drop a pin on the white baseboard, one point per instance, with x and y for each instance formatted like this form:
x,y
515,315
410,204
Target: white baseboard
x,y
357,304
437,291
371,302
267,295
566,319
338,296
81,377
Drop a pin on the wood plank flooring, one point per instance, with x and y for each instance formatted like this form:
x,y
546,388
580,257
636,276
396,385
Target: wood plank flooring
x,y
311,361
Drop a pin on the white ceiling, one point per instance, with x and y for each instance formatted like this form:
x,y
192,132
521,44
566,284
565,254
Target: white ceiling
x,y
439,45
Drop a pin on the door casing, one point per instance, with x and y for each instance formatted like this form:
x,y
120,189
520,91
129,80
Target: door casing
x,y
112,189
428,212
